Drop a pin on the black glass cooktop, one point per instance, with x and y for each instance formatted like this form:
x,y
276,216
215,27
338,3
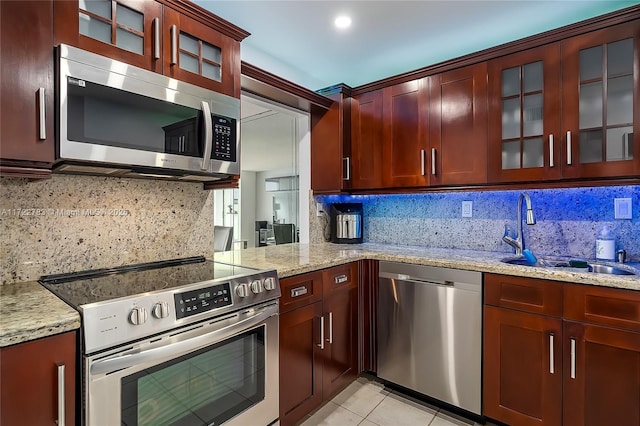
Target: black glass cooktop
x,y
101,285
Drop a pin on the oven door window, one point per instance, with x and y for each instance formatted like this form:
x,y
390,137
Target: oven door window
x,y
207,387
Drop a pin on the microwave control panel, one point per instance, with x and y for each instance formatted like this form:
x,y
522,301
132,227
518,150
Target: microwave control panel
x,y
224,139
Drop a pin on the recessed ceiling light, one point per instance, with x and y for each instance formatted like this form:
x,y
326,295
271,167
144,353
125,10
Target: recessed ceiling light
x,y
342,22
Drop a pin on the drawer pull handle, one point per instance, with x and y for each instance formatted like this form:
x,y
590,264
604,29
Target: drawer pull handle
x,y
299,291
552,367
573,358
341,279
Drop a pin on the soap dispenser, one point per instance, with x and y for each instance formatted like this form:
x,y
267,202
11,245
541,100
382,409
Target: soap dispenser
x,y
605,244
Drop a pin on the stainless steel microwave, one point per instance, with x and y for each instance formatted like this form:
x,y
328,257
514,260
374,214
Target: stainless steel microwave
x,y
119,120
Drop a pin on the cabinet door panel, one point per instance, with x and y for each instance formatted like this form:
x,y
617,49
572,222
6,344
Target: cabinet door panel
x,y
300,363
458,125
29,381
521,384
199,55
366,141
327,147
118,25
601,376
27,65
405,115
530,80
600,103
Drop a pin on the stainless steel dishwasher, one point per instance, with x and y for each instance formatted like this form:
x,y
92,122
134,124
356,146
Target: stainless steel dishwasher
x,y
430,331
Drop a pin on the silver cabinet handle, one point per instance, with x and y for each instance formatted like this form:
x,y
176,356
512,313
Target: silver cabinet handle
x,y
422,162
156,38
433,161
551,164
174,45
569,159
298,291
321,345
208,132
341,278
61,399
573,358
330,339
42,113
347,168
552,367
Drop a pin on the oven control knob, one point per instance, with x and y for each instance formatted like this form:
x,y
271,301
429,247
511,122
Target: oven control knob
x,y
256,286
269,283
242,290
160,310
138,315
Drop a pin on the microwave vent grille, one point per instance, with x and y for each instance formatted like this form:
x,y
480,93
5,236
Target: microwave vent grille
x,y
76,168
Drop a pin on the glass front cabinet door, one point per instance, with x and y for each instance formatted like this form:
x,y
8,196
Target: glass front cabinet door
x,y
524,116
600,103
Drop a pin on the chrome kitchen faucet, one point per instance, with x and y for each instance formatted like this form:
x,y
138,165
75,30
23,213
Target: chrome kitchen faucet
x,y
518,242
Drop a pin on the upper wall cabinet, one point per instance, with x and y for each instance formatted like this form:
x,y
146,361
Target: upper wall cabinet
x,y
524,116
364,165
458,126
601,102
184,42
26,81
405,113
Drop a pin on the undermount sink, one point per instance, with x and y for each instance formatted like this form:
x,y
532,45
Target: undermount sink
x,y
572,264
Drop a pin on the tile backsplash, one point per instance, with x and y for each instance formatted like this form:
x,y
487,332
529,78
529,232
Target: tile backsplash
x,y
71,223
568,219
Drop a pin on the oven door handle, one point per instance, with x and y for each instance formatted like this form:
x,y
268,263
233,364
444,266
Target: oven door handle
x,y
120,362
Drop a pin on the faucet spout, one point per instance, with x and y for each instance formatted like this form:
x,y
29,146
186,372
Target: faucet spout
x,y
518,242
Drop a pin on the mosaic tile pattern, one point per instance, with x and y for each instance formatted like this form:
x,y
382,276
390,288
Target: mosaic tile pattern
x,y
73,223
568,220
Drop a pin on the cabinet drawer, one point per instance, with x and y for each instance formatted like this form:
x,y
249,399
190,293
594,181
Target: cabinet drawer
x,y
524,294
607,306
340,277
300,290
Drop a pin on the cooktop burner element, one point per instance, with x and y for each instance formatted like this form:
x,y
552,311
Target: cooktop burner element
x,y
127,303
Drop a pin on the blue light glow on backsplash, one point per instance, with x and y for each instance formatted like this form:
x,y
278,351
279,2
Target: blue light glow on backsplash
x,y
568,219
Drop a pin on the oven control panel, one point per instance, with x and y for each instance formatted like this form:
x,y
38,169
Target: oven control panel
x,y
202,300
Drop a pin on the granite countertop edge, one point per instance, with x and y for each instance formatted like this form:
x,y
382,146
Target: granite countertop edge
x,y
28,311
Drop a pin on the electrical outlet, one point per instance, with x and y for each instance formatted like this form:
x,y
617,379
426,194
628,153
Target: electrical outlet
x,y
467,209
622,208
319,209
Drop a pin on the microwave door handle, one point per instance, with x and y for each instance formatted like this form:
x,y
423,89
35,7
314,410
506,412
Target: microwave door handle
x,y
208,132
180,348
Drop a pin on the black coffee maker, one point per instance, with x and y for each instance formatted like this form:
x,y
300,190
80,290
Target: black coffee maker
x,y
346,223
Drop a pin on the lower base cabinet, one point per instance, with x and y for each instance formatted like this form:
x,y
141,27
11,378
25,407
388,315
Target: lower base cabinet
x,y
37,380
560,354
318,339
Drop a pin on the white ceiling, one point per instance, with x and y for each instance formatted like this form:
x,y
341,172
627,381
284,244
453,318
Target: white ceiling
x,y
296,39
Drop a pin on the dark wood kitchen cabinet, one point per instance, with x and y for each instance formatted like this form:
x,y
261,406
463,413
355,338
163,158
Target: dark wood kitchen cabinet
x,y
405,113
27,87
458,126
31,375
364,165
176,38
560,354
601,103
524,136
318,339
330,142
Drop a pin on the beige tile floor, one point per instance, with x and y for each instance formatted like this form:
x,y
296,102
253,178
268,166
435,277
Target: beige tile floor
x,y
366,402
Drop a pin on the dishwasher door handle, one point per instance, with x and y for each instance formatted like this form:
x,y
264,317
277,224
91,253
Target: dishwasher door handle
x,y
409,278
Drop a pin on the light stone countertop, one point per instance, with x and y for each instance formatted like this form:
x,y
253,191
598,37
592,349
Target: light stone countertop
x,y
29,311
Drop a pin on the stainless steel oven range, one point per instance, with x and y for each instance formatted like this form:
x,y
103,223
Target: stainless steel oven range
x,y
180,342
